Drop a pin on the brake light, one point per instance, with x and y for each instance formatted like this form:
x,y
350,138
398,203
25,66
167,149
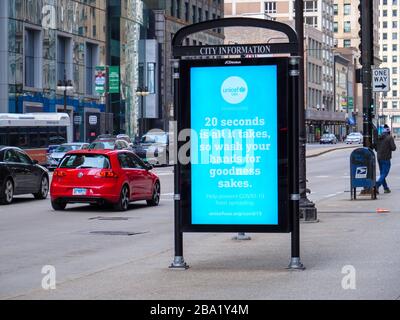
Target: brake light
x,y
59,174
108,174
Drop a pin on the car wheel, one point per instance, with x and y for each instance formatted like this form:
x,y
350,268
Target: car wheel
x,y
155,199
44,189
7,193
58,205
123,203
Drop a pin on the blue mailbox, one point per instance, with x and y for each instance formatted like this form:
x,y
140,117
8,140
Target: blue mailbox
x,y
363,171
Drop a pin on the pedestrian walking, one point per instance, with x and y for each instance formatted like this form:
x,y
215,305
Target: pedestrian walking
x,y
384,148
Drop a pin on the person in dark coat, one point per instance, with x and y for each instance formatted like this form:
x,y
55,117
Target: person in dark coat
x,y
384,148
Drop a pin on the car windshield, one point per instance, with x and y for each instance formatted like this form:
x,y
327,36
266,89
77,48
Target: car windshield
x,y
102,145
326,136
66,148
85,161
154,138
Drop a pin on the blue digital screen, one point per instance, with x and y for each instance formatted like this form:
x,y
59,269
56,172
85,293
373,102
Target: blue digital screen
x,y
234,145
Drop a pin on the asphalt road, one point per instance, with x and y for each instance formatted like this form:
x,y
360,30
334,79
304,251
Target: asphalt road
x,y
93,265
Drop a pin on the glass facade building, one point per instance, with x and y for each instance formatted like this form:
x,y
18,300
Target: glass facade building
x,y
44,42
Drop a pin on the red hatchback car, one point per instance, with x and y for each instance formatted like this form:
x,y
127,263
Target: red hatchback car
x,y
116,177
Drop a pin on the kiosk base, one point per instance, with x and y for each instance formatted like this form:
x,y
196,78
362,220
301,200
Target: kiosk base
x,y
179,264
295,264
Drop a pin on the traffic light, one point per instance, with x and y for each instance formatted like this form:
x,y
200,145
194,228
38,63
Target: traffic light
x,y
373,109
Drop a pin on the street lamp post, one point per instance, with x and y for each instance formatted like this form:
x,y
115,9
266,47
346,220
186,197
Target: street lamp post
x,y
308,211
142,92
65,85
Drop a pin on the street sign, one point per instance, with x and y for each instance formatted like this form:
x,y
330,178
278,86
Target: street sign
x,y
113,80
100,80
239,165
381,80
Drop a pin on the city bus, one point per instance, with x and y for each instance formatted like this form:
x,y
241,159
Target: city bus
x,y
34,132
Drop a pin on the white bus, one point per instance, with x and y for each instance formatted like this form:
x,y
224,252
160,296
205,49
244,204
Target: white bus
x,y
34,132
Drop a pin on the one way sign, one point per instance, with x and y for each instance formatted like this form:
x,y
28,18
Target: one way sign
x,y
380,80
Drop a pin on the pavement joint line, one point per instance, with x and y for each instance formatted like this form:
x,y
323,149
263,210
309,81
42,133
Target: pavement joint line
x,y
314,155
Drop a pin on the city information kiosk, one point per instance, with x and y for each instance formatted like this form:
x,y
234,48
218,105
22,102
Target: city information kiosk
x,y
238,139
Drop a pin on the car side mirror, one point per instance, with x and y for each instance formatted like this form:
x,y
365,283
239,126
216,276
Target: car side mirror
x,y
35,162
149,167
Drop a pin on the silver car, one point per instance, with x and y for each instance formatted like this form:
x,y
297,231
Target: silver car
x,y
354,137
54,158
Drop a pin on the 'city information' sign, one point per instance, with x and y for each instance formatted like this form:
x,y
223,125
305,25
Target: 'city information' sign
x,y
238,176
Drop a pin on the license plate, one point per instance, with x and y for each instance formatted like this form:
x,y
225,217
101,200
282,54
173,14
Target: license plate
x,y
79,192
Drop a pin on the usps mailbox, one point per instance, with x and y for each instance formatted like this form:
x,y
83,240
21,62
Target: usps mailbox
x,y
363,171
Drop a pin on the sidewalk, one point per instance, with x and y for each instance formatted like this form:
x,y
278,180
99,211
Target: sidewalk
x,y
349,233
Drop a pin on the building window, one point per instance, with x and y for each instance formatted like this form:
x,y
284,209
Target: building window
x,y
384,13
394,47
92,57
32,58
384,59
394,93
178,9
64,58
394,2
384,36
311,6
394,106
384,105
207,15
335,27
347,26
384,47
347,9
151,77
394,81
270,7
394,36
187,13
384,24
394,24
394,13
311,21
335,9
194,14
200,15
346,43
394,70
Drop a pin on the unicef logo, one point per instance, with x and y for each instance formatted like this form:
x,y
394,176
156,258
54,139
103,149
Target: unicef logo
x,y
234,90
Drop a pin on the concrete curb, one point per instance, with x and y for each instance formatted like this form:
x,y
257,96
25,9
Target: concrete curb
x,y
331,150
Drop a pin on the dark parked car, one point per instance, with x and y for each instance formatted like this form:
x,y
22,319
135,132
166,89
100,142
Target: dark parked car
x,y
328,138
154,148
19,174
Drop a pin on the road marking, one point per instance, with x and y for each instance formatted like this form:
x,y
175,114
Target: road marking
x,y
322,177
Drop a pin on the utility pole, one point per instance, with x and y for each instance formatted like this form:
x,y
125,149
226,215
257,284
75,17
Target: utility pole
x,y
308,211
366,60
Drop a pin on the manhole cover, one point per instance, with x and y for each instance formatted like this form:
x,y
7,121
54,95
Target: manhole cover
x,y
110,218
117,233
